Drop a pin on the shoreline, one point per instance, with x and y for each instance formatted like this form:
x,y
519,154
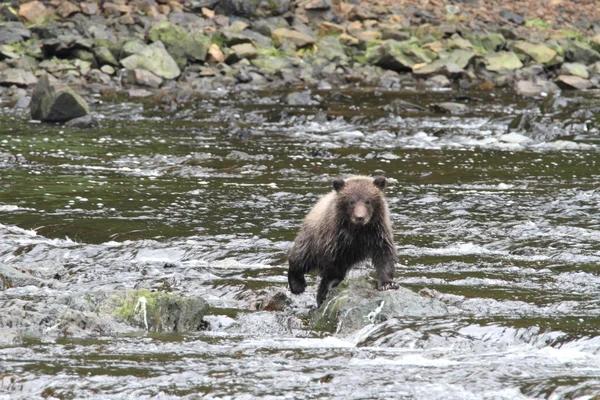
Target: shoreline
x,y
138,48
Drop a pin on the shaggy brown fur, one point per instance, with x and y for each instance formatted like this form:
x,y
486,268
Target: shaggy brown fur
x,y
347,226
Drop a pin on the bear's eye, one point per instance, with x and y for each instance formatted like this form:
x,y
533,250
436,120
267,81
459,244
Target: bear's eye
x,y
352,202
368,202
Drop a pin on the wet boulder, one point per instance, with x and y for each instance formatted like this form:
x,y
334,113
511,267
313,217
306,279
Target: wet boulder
x,y
449,108
356,303
53,101
158,311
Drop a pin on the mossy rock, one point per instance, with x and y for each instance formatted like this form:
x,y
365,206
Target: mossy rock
x,y
164,312
181,44
399,56
540,53
270,65
502,61
485,42
154,58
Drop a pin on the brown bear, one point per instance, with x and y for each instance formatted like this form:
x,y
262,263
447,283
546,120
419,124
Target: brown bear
x,y
346,227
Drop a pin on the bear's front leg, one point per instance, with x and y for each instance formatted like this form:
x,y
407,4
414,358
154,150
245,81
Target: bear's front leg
x,y
385,265
330,279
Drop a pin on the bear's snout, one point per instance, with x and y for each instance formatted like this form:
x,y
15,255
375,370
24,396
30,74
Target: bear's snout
x,y
360,216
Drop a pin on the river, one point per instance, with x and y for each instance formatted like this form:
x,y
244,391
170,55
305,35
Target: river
x,y
205,198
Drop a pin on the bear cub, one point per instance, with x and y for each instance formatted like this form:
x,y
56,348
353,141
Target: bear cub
x,y
347,226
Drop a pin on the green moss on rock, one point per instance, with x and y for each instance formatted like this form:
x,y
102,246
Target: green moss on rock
x,y
164,312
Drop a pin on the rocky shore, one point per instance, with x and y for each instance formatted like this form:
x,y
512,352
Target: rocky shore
x,y
139,47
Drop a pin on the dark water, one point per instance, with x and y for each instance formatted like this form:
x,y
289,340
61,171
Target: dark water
x,y
503,223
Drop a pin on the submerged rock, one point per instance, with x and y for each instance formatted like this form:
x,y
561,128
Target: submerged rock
x,y
450,108
81,123
53,101
356,303
300,99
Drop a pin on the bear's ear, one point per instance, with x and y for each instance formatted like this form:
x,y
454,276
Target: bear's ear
x,y
338,183
379,181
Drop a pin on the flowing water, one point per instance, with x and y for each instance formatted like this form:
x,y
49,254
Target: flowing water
x,y
206,198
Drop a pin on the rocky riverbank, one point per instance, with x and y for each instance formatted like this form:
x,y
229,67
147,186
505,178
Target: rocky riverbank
x,y
194,46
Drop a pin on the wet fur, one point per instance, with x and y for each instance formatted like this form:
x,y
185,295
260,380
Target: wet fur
x,y
332,239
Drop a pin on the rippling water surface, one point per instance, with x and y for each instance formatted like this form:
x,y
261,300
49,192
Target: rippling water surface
x,y
498,216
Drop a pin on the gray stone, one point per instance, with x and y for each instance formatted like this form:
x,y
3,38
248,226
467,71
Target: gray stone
x,y
450,108
575,69
539,53
580,53
241,51
439,67
512,17
13,32
132,47
300,99
154,58
569,82
487,41
105,57
502,61
53,101
399,106
139,93
356,303
438,81
270,65
255,8
144,78
18,77
299,39
399,56
181,44
528,88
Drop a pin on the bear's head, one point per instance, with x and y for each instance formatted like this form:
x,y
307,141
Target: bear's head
x,y
360,199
